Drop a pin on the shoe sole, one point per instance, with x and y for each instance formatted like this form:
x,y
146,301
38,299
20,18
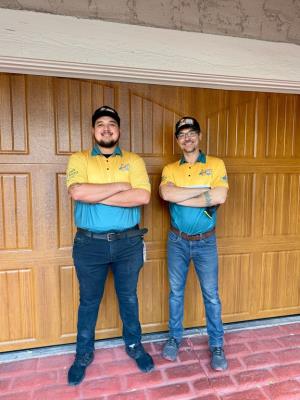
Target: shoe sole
x,y
77,383
219,369
169,358
147,370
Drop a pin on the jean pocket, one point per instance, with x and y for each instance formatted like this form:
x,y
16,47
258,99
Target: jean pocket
x,y
134,240
210,241
81,240
173,237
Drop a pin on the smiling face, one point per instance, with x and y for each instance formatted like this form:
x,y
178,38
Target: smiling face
x,y
106,132
188,140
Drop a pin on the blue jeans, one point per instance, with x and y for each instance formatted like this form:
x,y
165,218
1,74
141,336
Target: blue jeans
x,y
92,260
205,257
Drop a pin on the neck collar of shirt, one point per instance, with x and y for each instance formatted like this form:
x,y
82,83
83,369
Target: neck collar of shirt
x,y
97,152
201,158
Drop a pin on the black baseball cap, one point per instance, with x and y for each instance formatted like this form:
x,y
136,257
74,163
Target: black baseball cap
x,y
105,111
187,122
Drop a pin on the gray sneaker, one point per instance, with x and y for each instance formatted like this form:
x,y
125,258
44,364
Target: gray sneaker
x,y
170,349
218,359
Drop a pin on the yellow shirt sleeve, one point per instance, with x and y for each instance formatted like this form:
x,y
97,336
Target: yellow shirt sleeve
x,y
139,178
77,169
220,176
167,176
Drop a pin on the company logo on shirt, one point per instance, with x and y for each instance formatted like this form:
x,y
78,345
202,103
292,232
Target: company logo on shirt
x,y
72,173
124,167
205,172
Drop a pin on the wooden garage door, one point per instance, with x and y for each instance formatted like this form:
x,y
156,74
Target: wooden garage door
x,y
44,119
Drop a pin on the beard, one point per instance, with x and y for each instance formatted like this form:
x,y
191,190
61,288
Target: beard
x,y
191,149
107,144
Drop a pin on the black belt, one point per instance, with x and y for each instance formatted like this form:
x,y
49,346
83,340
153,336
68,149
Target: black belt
x,y
110,236
200,236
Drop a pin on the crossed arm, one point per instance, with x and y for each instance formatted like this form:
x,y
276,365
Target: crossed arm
x,y
119,194
193,197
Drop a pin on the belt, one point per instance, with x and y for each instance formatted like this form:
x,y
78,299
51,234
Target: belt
x,y
111,236
200,236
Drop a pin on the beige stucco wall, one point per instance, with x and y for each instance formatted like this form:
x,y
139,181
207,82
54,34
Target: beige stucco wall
x,y
274,20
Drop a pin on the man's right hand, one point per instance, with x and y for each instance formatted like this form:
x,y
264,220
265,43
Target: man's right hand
x,y
125,186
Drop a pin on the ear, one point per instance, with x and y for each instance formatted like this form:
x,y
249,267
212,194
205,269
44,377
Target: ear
x,y
200,136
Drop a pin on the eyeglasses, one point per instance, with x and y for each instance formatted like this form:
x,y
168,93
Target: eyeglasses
x,y
189,134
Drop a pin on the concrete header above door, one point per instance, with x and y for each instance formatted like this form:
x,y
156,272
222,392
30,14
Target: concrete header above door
x,y
42,44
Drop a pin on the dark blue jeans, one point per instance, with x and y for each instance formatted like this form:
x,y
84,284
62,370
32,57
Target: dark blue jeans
x,y
92,260
205,257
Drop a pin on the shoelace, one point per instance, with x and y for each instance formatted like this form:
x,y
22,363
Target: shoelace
x,y
136,346
218,351
83,359
138,349
172,342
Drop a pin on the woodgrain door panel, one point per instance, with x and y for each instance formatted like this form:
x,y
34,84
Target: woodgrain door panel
x,y
44,119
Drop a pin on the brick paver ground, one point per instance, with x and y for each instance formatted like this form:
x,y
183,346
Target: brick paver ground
x,y
264,364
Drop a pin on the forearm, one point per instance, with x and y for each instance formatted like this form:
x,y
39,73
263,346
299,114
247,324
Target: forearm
x,y
94,193
211,197
176,194
128,198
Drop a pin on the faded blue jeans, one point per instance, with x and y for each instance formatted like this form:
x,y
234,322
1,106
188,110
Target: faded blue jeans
x,y
92,260
205,257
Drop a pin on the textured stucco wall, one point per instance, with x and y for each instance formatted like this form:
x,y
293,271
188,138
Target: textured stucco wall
x,y
274,20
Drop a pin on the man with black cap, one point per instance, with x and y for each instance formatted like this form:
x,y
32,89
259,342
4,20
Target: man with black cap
x,y
108,185
194,186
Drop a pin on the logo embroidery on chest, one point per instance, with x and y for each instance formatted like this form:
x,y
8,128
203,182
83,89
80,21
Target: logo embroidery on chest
x,y
124,167
72,173
205,172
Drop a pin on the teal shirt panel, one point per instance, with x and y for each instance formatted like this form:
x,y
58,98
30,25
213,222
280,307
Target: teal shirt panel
x,y
109,218
191,220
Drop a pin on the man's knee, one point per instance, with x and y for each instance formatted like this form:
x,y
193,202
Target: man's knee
x,y
211,294
177,291
130,298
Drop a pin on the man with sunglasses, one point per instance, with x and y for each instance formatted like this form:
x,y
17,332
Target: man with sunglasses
x,y
194,186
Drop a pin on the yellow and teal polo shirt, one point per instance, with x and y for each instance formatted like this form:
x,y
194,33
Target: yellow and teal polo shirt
x,y
91,166
206,172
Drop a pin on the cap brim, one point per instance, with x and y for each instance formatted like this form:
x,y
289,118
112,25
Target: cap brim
x,y
183,127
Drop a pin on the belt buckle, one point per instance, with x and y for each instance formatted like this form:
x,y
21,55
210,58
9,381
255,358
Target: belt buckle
x,y
109,236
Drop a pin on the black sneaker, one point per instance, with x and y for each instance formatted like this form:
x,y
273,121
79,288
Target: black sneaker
x,y
170,349
76,373
143,360
218,359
